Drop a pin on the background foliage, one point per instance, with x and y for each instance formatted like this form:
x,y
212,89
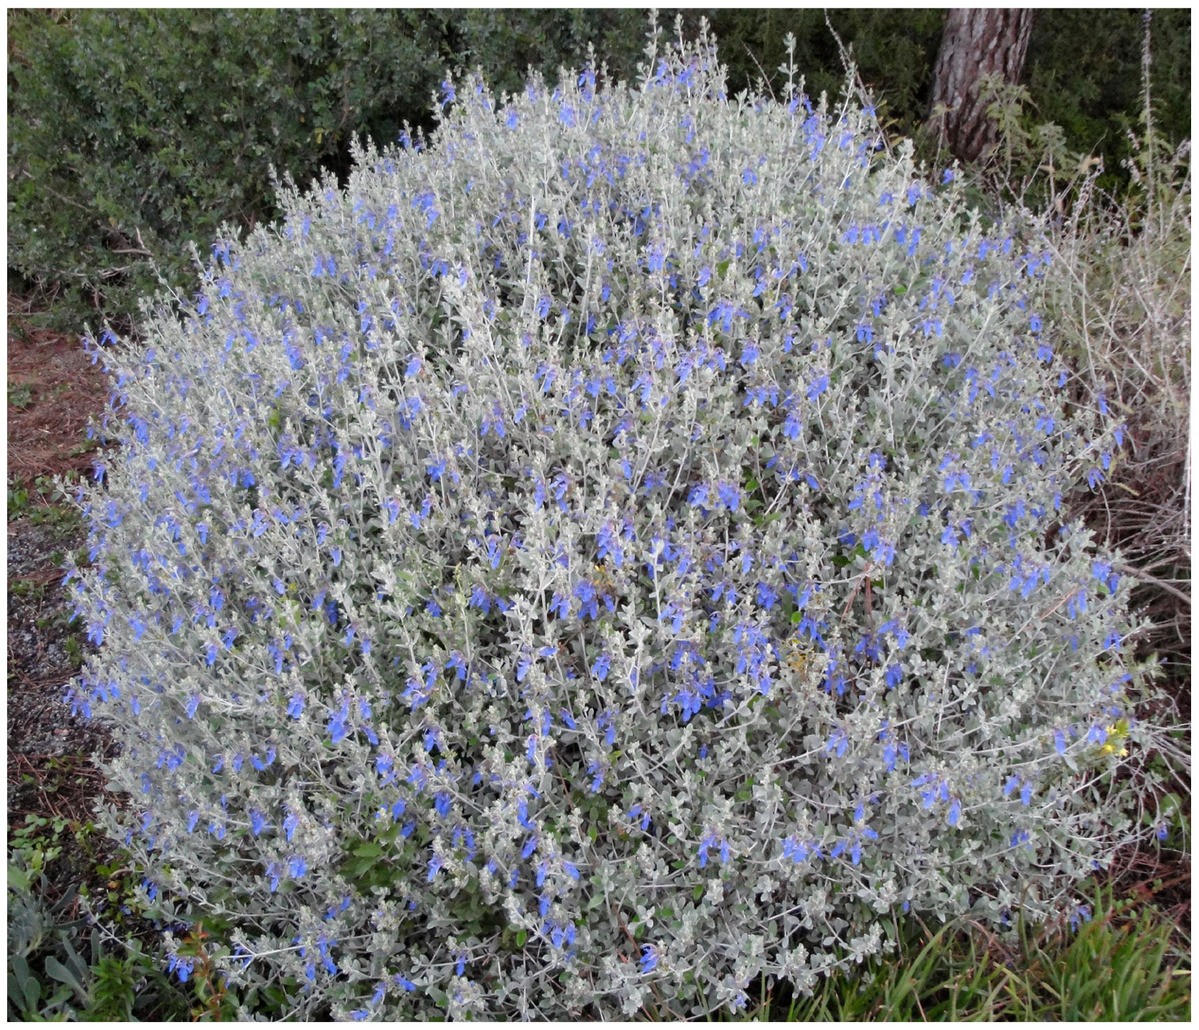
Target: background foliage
x,y
117,162
1083,67
115,159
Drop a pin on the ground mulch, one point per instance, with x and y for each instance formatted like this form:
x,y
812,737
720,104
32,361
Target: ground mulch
x,y
53,392
47,436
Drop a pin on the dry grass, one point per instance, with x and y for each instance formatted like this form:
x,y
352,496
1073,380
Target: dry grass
x,y
1123,304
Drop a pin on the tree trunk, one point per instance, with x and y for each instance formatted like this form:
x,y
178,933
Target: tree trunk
x,y
976,42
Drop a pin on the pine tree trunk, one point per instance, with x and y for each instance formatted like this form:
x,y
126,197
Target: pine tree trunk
x,y
976,42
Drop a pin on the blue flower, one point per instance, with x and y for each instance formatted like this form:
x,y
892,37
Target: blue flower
x,y
712,840
730,495
955,812
796,850
637,811
1081,914
837,743
892,752
181,966
586,593
336,725
649,958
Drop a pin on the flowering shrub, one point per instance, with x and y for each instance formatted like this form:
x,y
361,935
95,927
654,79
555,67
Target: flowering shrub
x,y
602,557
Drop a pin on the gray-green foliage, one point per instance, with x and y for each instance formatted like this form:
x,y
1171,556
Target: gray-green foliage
x,y
603,556
40,936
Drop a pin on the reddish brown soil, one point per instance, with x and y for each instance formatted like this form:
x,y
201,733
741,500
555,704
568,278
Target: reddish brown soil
x,y
53,391
47,437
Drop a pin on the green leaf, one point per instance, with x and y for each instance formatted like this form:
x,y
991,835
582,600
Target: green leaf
x,y
355,869
63,975
368,850
28,986
17,880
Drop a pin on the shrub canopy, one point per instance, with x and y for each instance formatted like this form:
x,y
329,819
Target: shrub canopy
x,y
602,556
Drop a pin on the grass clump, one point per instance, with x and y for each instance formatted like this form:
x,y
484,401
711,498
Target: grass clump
x,y
1110,961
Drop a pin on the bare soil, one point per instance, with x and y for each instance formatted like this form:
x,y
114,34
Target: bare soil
x,y
53,391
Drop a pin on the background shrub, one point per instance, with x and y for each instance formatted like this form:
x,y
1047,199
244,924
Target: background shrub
x,y
602,557
1121,293
1085,74
117,160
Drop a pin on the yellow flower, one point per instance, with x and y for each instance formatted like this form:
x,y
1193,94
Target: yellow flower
x,y
603,580
798,655
1116,733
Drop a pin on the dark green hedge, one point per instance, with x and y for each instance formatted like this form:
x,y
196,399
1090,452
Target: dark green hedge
x,y
133,132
